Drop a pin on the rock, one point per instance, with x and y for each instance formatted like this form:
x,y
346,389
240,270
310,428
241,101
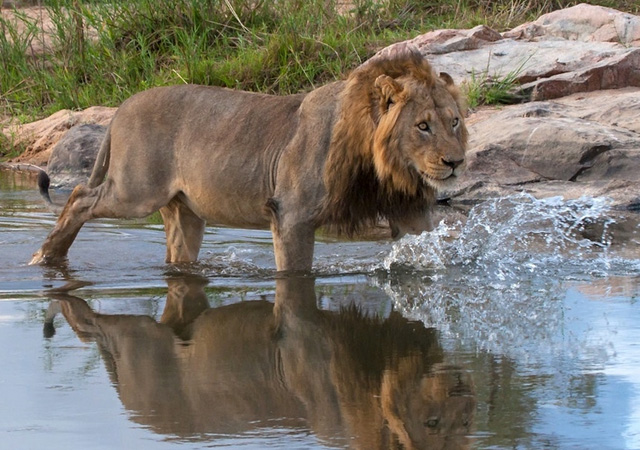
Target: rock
x,y
583,22
585,144
39,138
73,156
614,72
449,41
578,49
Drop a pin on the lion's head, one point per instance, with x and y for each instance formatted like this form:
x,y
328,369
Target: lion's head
x,y
420,133
400,137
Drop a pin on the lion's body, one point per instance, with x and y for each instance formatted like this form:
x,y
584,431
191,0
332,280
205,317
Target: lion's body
x,y
223,154
211,155
223,158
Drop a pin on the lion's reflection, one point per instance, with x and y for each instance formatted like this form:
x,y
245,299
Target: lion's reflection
x,y
369,382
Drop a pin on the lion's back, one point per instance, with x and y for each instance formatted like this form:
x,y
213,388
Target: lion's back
x,y
197,127
201,113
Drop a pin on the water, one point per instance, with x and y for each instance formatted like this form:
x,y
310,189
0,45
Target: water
x,y
519,328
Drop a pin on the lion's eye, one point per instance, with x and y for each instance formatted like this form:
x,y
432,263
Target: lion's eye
x,y
456,122
431,422
424,126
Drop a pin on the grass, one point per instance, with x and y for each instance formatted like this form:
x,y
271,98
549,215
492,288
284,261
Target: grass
x,y
103,52
8,147
487,89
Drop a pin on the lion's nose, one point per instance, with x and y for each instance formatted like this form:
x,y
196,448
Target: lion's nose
x,y
452,163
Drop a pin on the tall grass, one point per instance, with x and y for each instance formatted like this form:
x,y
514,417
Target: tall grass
x,y
117,49
103,52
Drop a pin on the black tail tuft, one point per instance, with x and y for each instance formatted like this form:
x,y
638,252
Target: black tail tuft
x,y
43,185
49,330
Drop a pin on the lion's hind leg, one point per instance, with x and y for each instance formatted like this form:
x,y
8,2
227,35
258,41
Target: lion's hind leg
x,y
85,204
75,213
184,231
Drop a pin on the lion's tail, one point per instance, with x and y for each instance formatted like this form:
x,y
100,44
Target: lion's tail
x,y
101,165
43,186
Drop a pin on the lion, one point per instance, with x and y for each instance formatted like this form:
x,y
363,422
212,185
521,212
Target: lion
x,y
376,146
201,372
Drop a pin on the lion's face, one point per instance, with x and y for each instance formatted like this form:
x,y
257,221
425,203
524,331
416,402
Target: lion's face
x,y
421,133
399,137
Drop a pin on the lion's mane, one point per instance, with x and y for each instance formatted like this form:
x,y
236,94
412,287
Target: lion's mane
x,y
359,194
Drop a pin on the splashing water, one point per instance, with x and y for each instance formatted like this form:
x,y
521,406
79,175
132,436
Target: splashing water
x,y
508,237
499,280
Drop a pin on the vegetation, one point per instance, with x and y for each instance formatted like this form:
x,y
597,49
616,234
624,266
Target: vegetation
x,y
487,89
103,52
8,147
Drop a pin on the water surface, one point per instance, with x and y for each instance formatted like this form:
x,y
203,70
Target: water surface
x,y
518,329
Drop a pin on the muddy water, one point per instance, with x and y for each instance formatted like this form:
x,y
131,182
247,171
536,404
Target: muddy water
x,y
518,329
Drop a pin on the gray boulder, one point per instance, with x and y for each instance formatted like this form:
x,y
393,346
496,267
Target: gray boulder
x,y
579,49
584,144
72,158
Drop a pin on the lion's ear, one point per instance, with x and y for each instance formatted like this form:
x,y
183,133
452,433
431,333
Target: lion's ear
x,y
388,90
446,78
455,92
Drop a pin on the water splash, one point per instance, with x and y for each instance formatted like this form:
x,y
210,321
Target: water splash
x,y
498,282
517,235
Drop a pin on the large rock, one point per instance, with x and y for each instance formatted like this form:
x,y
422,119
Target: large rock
x,y
579,49
584,144
73,156
583,22
39,138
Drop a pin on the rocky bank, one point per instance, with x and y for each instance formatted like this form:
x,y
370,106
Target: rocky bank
x,y
576,133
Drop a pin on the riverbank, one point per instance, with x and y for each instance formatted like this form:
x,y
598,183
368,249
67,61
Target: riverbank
x,y
575,133
73,55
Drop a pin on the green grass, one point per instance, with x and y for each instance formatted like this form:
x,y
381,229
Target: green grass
x,y
487,89
103,52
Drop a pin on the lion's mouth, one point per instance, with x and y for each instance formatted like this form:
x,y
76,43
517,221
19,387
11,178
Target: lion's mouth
x,y
441,182
429,177
441,177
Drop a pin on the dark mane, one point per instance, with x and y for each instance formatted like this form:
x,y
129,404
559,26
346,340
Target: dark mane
x,y
356,198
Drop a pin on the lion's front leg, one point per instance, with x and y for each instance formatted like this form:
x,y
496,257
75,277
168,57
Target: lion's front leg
x,y
293,246
184,231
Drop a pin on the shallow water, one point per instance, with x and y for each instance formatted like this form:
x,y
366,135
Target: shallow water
x,y
518,329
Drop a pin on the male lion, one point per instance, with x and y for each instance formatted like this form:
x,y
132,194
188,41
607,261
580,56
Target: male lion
x,y
345,155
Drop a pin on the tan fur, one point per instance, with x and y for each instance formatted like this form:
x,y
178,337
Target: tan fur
x,y
343,156
369,383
